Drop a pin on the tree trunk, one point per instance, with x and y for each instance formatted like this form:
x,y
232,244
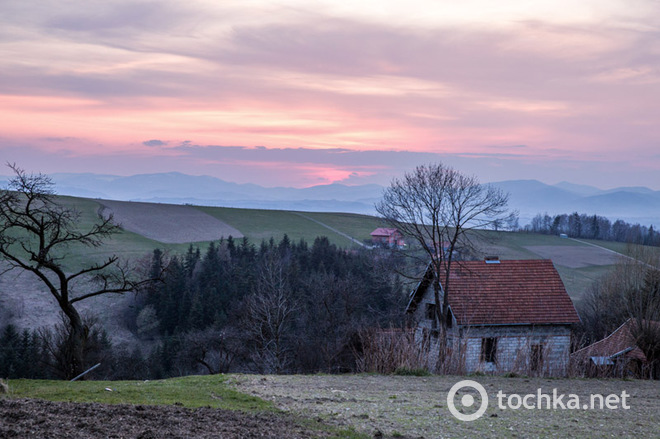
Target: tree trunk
x,y
74,346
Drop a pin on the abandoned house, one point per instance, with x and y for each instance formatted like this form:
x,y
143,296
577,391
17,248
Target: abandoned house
x,y
505,316
387,237
617,355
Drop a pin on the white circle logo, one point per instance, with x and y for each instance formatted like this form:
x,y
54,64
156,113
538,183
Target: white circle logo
x,y
467,400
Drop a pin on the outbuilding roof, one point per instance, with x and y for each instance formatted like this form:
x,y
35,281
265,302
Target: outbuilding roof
x,y
514,292
619,343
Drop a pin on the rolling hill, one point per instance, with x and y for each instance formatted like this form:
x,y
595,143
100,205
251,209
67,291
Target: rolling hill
x,y
174,228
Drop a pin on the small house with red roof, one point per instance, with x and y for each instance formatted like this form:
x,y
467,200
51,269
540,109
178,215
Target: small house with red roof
x,y
388,237
506,316
618,354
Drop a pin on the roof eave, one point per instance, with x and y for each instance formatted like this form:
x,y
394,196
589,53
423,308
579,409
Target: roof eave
x,y
464,325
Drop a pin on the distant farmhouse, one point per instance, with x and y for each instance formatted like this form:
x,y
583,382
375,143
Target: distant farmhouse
x,y
617,355
506,316
387,237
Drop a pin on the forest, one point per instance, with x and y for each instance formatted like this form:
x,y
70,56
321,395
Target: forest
x,y
281,307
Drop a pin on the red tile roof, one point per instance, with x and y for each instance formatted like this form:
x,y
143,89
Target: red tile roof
x,y
620,342
509,293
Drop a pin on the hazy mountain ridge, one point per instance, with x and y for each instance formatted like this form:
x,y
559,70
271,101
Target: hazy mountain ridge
x,y
631,204
529,197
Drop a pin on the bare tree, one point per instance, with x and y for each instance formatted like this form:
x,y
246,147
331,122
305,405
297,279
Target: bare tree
x,y
213,349
35,233
270,312
437,206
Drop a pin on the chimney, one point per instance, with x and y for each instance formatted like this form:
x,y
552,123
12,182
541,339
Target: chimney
x,y
492,259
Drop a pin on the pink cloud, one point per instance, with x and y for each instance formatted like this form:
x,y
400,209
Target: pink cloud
x,y
108,79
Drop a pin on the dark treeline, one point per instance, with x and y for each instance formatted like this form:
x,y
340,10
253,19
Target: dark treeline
x,y
281,307
20,354
41,354
584,226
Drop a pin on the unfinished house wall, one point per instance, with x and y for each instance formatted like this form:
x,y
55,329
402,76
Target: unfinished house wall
x,y
424,311
427,326
528,350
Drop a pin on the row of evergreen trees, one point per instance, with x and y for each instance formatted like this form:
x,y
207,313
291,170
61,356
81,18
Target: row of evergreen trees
x,y
585,226
279,307
21,354
41,354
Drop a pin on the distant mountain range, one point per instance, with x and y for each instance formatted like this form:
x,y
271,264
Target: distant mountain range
x,y
631,204
529,197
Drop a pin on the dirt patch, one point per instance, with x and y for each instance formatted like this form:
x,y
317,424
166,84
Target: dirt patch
x,y
575,256
401,406
26,418
168,223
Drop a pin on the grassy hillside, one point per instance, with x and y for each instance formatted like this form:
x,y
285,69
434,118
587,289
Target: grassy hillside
x,y
256,224
261,224
579,263
357,226
126,244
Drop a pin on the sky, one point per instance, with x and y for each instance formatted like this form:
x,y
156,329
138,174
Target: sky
x,y
299,93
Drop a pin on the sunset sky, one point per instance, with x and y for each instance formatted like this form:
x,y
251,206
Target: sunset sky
x,y
298,93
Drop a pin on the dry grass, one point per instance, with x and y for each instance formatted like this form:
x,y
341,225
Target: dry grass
x,y
413,406
386,351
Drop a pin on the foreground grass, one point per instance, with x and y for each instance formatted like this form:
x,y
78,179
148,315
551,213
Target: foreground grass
x,y
192,392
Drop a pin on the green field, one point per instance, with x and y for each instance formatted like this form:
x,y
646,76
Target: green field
x,y
125,244
579,263
624,248
357,226
261,224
